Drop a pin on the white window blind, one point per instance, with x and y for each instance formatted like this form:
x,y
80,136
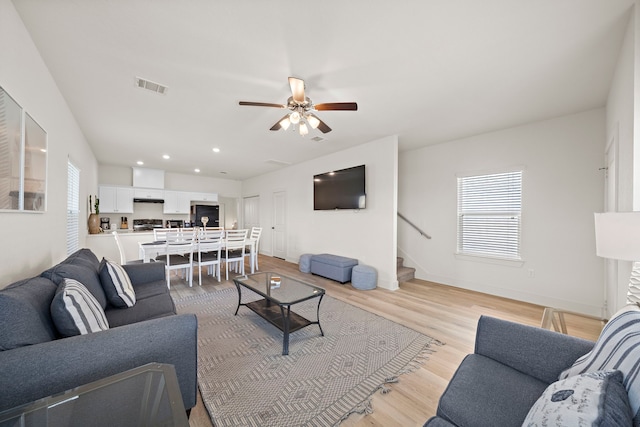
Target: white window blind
x,y
73,207
489,215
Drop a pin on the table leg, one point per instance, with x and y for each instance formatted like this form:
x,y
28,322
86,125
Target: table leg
x,y
318,315
285,330
239,298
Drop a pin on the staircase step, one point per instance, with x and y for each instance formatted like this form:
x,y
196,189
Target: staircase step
x,y
406,273
399,262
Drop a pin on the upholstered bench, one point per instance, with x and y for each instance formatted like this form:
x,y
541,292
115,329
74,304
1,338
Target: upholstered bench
x,y
364,277
333,267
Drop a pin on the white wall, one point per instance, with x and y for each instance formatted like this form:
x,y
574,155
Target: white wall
x,y
620,134
562,188
35,241
368,235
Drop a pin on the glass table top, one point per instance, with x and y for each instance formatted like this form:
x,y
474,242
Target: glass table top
x,y
280,289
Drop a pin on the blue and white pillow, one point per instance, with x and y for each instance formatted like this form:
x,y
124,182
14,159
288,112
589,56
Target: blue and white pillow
x,y
591,399
116,284
617,348
75,311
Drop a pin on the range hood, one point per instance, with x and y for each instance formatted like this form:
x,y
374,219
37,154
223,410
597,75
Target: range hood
x,y
146,200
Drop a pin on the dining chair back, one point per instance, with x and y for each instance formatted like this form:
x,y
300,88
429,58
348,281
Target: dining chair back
x,y
160,234
209,247
178,254
123,257
256,232
234,248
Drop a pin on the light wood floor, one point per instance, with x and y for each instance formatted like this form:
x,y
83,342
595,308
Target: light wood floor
x,y
442,312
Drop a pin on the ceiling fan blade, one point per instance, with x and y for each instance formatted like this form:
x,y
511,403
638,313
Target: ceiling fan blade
x,y
337,106
297,89
278,126
261,104
322,126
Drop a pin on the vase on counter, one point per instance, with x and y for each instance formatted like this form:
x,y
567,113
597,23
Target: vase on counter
x,y
94,223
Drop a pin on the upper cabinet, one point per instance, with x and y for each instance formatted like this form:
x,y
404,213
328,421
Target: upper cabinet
x,y
116,199
148,193
176,202
204,197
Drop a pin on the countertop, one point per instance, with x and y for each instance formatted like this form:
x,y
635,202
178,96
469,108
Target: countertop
x,y
122,231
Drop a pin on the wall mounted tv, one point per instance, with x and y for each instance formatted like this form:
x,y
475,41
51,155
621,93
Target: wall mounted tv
x,y
341,189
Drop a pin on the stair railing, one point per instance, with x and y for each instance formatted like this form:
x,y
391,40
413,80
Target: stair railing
x,y
422,233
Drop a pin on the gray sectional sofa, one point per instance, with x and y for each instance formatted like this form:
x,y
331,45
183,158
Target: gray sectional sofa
x,y
36,361
516,368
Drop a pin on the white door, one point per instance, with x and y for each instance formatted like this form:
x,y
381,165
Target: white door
x,y
251,212
612,295
279,241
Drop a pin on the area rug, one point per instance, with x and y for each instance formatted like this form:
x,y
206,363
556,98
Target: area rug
x,y
246,381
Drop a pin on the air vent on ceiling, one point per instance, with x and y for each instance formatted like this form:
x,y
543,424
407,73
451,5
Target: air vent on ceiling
x,y
317,138
152,86
278,162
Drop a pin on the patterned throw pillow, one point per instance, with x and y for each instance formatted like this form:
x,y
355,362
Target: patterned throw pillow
x,y
617,348
75,311
116,284
591,399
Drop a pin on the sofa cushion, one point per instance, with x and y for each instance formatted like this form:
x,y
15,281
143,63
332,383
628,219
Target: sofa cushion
x,y
80,271
116,284
75,311
83,257
617,348
152,307
24,313
593,399
484,392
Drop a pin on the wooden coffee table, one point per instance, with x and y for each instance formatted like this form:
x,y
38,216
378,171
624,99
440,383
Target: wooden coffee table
x,y
279,294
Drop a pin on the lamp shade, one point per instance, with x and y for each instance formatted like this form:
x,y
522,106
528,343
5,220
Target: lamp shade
x,y
618,235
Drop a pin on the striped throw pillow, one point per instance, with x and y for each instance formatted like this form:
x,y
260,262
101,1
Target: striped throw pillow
x,y
617,348
116,284
75,311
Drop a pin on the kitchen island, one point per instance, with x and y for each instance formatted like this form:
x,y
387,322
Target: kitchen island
x,y
104,244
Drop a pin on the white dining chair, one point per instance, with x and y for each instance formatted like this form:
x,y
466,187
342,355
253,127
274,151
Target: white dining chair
x,y
234,248
123,258
256,232
160,234
178,254
208,255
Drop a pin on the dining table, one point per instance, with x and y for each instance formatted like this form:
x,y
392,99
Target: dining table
x,y
150,250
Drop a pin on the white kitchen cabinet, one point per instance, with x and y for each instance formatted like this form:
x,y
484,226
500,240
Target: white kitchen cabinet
x,y
115,199
178,202
147,193
204,197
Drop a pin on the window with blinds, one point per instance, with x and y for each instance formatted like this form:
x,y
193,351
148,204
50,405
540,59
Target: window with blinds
x,y
489,215
73,207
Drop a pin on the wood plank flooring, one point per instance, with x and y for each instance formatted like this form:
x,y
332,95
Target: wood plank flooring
x,y
446,313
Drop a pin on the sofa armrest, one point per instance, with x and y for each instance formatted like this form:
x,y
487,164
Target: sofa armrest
x,y
145,273
537,352
36,371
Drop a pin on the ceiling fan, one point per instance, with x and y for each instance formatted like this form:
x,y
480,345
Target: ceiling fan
x,y
301,109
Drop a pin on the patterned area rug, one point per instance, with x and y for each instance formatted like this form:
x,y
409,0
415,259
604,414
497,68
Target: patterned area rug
x,y
245,381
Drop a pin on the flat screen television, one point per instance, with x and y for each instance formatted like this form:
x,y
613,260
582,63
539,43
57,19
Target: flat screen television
x,y
341,189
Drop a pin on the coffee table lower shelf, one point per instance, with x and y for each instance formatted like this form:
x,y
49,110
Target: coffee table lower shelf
x,y
272,313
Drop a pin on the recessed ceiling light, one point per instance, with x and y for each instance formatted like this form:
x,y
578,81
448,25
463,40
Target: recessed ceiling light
x,y
216,150
140,162
223,173
166,156
196,170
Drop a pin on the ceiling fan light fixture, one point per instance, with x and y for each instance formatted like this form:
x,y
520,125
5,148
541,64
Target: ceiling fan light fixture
x,y
294,117
313,121
303,129
285,123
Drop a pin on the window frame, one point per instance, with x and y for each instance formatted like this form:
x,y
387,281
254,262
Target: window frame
x,y
503,212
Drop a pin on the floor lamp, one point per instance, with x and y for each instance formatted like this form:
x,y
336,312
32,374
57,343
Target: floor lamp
x,y
618,237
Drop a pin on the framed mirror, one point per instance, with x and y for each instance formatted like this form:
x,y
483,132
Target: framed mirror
x,y
23,159
35,165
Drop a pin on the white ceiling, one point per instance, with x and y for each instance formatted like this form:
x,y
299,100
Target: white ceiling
x,y
428,71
